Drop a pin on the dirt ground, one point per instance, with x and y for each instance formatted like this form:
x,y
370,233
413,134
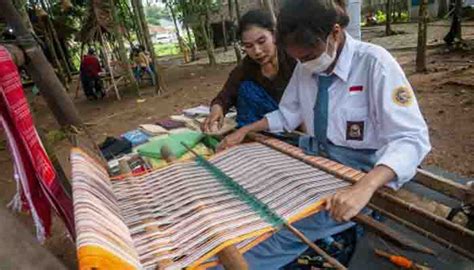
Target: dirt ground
x,y
445,94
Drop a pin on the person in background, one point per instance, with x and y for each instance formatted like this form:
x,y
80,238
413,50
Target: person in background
x,y
359,110
90,79
141,64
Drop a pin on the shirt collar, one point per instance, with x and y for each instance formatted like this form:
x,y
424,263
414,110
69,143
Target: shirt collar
x,y
344,62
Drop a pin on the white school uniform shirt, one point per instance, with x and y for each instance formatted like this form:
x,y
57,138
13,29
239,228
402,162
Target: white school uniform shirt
x,y
371,106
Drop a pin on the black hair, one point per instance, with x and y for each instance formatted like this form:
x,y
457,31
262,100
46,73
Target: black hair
x,y
305,22
91,51
258,18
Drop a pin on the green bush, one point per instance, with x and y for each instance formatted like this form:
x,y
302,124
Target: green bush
x,y
167,49
381,17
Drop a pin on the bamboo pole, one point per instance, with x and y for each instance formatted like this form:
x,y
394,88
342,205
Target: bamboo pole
x,y
56,40
139,28
224,32
122,52
159,83
54,55
107,61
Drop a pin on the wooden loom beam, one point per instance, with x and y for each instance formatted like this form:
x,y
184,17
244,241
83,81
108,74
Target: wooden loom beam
x,y
445,186
387,200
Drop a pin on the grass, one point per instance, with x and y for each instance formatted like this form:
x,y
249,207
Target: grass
x,y
167,49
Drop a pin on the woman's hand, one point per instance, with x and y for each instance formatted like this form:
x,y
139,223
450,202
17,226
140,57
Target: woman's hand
x,y
214,121
233,139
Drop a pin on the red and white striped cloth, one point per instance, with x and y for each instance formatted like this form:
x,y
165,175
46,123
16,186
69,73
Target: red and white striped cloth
x,y
38,187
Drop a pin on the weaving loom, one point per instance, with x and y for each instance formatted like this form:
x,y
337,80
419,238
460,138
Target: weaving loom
x,y
181,216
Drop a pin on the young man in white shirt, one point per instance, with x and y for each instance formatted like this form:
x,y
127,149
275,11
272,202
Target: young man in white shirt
x,y
359,109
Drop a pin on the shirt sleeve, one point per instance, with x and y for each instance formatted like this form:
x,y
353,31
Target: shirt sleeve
x,y
288,116
227,97
402,129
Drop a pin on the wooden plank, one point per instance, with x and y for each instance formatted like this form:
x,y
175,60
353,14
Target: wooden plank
x,y
20,250
232,259
461,239
445,186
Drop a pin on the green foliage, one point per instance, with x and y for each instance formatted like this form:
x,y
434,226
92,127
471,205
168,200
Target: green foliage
x,y
154,14
380,16
125,14
167,49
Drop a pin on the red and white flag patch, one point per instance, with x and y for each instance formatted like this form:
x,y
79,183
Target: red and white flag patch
x,y
357,88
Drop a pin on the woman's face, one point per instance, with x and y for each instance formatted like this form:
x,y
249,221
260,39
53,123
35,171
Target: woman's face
x,y
259,44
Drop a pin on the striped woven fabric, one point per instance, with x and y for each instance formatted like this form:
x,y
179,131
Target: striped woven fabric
x,y
181,216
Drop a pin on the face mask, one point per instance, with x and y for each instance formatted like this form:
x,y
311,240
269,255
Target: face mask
x,y
322,63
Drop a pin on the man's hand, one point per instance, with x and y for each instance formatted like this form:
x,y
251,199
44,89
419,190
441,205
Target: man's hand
x,y
347,203
233,139
214,121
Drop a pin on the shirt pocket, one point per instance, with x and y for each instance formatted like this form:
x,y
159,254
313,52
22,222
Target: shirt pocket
x,y
357,127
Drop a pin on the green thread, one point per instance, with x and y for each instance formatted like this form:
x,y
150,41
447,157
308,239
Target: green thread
x,y
258,206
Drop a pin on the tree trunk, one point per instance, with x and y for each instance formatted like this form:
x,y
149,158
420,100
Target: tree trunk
x,y
442,8
122,51
159,84
238,52
268,5
57,42
388,21
21,6
50,44
224,32
178,34
210,51
192,43
422,33
139,26
237,10
458,15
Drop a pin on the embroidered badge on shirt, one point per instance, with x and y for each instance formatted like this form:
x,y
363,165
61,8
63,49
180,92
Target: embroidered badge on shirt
x,y
355,131
403,96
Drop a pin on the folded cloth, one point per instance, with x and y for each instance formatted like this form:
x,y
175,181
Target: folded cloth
x,y
153,130
170,124
136,137
113,147
173,142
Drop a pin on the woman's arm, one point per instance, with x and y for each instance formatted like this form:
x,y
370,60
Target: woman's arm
x,y
238,136
226,99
